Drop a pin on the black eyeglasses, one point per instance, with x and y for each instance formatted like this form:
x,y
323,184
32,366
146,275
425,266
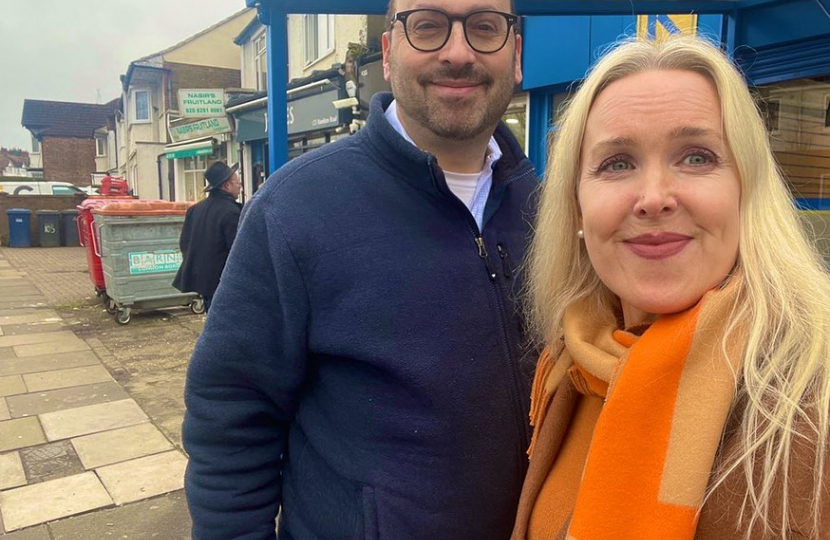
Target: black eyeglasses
x,y
427,30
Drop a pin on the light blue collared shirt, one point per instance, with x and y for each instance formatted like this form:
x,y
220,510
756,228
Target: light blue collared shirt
x,y
485,180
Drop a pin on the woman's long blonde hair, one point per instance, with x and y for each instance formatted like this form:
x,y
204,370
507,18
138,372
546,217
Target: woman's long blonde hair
x,y
784,300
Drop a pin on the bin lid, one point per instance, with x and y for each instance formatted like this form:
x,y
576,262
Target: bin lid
x,y
69,211
144,208
47,212
101,200
18,211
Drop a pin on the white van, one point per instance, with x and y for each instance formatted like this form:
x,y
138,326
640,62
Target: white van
x,y
39,187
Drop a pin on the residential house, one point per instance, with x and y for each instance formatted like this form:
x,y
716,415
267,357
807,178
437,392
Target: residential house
x,y
63,138
166,147
14,162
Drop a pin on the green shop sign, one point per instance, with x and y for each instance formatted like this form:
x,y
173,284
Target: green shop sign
x,y
201,128
155,262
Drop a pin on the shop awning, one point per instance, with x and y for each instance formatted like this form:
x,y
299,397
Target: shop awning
x,y
197,147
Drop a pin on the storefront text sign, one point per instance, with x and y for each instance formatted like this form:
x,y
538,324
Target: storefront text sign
x,y
201,102
313,113
155,262
202,128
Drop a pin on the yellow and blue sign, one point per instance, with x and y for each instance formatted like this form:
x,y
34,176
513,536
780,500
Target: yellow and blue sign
x,y
661,26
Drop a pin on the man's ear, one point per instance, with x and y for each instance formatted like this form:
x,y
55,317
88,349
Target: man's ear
x,y
518,73
386,45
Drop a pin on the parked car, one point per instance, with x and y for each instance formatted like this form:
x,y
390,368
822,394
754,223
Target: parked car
x,y
39,187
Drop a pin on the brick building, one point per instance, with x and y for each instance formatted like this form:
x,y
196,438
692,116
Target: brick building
x,y
65,132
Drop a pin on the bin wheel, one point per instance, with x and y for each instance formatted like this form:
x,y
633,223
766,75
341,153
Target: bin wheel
x,y
197,306
110,305
123,315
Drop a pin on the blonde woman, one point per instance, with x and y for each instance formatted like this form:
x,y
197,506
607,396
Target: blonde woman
x,y
684,389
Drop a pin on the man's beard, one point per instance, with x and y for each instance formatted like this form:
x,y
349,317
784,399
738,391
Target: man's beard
x,y
454,119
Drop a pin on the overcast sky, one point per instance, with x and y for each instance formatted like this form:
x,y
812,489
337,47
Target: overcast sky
x,y
76,50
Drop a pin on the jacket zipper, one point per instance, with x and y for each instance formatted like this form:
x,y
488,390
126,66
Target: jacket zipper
x,y
506,263
482,252
492,275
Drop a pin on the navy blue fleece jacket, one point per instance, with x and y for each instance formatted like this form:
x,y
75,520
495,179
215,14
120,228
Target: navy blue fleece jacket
x,y
363,367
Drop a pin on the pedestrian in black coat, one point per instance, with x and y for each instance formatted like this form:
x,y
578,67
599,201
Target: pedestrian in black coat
x,y
208,233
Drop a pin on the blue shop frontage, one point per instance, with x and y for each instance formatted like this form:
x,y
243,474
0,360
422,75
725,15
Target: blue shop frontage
x,y
783,47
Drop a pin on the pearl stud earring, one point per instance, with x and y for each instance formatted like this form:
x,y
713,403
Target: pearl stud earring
x,y
580,234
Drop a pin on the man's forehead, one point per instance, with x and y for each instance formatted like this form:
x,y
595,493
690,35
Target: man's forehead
x,y
454,6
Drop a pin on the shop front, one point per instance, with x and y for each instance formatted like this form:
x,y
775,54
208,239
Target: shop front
x,y
312,117
200,135
782,47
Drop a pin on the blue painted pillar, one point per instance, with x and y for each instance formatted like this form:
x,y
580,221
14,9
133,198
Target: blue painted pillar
x,y
538,128
275,19
729,33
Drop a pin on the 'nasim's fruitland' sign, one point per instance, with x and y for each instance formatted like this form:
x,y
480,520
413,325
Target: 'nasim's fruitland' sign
x,y
201,102
200,128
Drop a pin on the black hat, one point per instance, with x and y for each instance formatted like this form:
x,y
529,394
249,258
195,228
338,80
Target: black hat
x,y
218,173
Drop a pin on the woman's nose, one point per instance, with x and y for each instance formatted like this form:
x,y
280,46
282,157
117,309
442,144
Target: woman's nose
x,y
656,192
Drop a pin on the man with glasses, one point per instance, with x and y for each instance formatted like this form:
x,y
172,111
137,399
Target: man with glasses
x,y
365,369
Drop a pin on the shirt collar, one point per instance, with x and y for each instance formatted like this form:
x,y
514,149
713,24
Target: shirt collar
x,y
494,153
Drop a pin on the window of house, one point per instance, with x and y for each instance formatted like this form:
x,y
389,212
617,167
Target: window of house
x,y
141,111
261,62
827,111
319,36
35,146
194,177
100,147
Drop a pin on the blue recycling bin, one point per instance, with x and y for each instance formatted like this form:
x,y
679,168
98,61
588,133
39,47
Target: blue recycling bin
x,y
19,219
69,228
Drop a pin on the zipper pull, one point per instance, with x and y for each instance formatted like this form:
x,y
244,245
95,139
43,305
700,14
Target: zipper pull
x,y
482,252
506,263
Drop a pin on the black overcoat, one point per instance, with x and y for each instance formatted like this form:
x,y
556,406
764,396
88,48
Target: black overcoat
x,y
208,233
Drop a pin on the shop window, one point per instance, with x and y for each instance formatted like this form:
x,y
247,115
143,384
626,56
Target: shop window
x,y
194,178
319,36
770,113
796,113
261,62
516,119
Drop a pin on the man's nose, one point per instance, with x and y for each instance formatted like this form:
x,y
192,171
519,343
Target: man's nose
x,y
457,51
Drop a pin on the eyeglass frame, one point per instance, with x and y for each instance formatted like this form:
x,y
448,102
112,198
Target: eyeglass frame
x,y
512,22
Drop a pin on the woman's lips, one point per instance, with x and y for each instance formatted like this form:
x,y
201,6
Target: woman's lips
x,y
659,245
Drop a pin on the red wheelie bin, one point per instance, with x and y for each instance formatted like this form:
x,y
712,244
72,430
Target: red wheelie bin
x,y
86,236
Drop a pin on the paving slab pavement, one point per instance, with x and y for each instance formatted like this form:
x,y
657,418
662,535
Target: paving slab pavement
x,y
90,411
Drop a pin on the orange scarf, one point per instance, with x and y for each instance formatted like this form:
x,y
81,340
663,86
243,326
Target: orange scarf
x,y
667,396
